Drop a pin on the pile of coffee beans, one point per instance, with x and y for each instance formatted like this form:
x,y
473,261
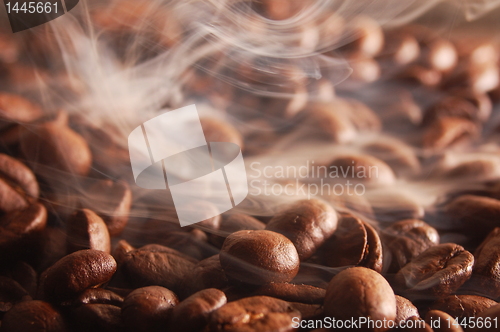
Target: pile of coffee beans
x,y
82,248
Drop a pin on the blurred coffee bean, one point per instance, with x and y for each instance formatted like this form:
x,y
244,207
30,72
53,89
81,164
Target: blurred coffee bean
x,y
10,294
438,271
307,223
75,273
279,9
489,318
148,309
404,310
461,306
292,292
479,78
98,296
419,74
120,251
356,203
439,54
362,117
329,121
400,48
33,316
25,275
157,265
365,70
233,223
52,144
14,108
446,322
479,168
407,239
362,169
360,292
400,157
111,200
452,106
308,311
220,131
481,101
254,314
18,176
97,317
20,231
86,230
446,131
207,273
365,37
193,313
259,257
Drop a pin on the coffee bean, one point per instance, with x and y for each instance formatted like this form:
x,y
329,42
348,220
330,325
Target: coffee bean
x,y
148,309
86,230
193,313
407,239
120,251
395,205
373,255
308,311
98,296
438,271
25,275
97,317
157,265
460,306
220,131
400,157
233,223
490,315
307,223
207,273
440,54
292,292
257,313
75,273
369,38
33,316
10,294
444,320
364,70
14,108
419,74
18,176
363,169
259,257
400,48
446,131
452,106
111,200
327,122
404,310
360,292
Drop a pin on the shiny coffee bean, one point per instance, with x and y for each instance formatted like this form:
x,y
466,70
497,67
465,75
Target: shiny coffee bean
x,y
307,223
86,230
259,257
33,316
292,292
254,314
18,185
97,317
98,296
120,251
460,306
192,314
360,292
407,239
438,271
404,310
233,223
148,309
75,273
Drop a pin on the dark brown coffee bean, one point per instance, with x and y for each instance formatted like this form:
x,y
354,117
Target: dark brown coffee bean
x,y
438,271
446,131
362,117
207,273
220,131
97,317
18,176
358,204
373,255
148,309
192,314
407,239
363,169
75,273
292,292
53,144
11,293
326,122
233,223
400,157
157,265
489,318
20,229
460,306
98,296
360,292
259,257
33,316
445,322
120,251
10,199
86,230
452,106
26,276
421,75
111,200
308,311
307,223
257,313
395,205
400,48
478,169
14,108
404,310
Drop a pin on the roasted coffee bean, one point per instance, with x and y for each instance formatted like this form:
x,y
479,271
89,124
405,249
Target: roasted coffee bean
x,y
360,292
25,275
358,204
400,157
148,309
307,223
421,75
20,229
395,205
404,310
325,121
52,144
257,313
18,185
111,200
75,273
157,265
369,37
460,306
14,108
446,131
362,117
192,314
207,273
478,169
11,293
363,169
292,292
438,271
259,257
98,296
374,254
453,106
33,316
445,322
120,251
440,54
233,223
364,70
308,311
97,317
489,318
407,239
220,131
86,230
400,48
485,277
